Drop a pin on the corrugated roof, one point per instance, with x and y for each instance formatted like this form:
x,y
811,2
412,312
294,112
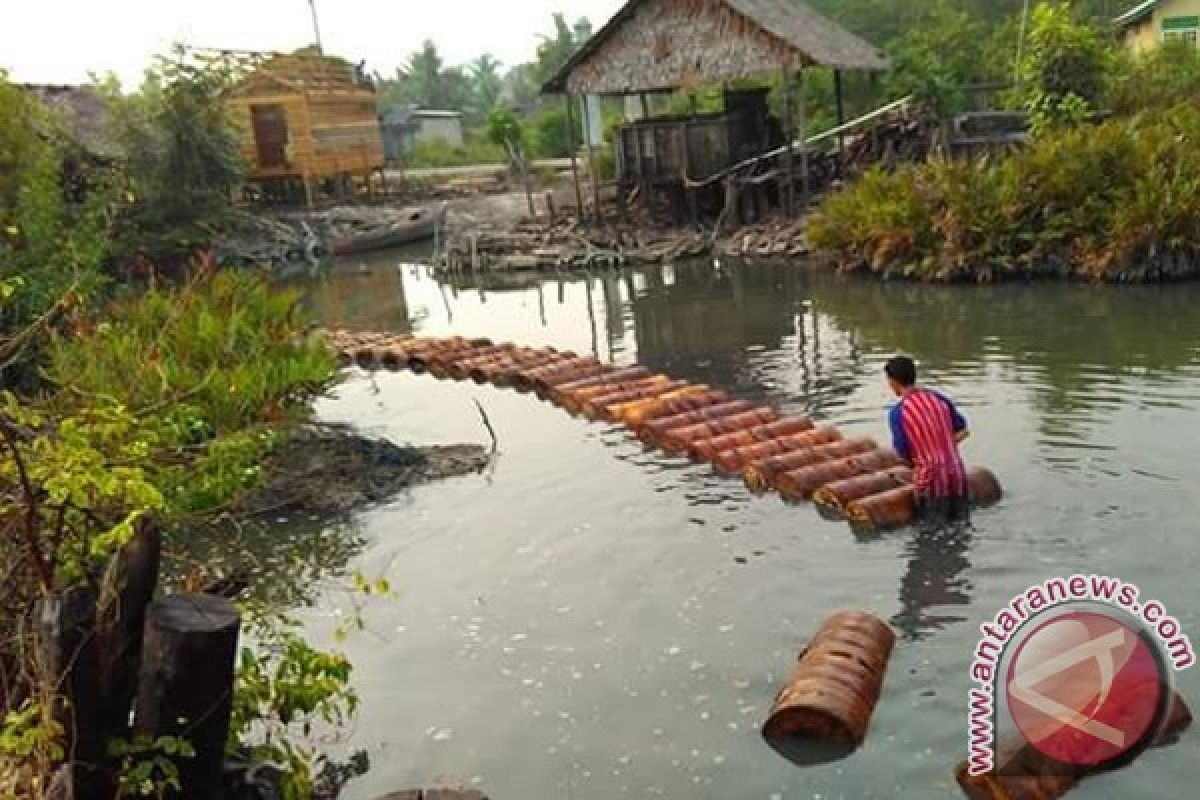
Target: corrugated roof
x,y
1136,14
812,37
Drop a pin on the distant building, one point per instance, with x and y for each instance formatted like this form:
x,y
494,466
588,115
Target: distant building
x,y
304,118
1146,26
403,127
84,119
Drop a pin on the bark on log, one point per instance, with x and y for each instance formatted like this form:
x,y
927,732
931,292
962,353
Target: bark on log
x,y
126,592
573,400
65,639
678,441
760,476
558,392
597,407
186,684
635,415
732,462
897,508
801,484
532,379
651,431
836,497
709,449
831,694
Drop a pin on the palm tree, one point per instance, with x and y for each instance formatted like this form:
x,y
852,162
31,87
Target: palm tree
x,y
487,84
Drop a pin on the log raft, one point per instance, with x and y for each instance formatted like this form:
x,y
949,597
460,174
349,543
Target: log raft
x,y
852,479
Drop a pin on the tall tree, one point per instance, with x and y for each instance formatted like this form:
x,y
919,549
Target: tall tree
x,y
487,84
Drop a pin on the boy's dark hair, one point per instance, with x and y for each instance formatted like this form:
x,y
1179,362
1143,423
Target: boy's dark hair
x,y
903,370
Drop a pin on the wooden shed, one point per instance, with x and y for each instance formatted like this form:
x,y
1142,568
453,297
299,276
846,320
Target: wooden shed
x,y
306,119
655,46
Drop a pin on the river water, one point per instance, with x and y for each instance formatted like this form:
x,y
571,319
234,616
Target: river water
x,y
591,620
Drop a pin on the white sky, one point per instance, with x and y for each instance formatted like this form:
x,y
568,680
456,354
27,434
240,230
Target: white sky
x,y
60,41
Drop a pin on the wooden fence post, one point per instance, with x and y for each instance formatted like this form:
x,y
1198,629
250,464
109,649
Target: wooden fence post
x,y
186,683
66,655
127,590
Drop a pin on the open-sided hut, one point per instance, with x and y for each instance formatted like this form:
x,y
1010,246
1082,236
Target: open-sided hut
x,y
305,118
654,46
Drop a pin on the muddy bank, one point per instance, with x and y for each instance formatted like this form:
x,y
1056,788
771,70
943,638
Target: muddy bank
x,y
327,470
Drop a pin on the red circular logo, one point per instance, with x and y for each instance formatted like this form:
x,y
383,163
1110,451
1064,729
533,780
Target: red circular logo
x,y
1086,689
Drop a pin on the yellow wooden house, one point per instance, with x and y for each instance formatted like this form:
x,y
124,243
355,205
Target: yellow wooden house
x,y
1147,25
305,119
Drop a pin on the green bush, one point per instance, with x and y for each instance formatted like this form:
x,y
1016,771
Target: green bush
x,y
1165,77
1117,201
438,152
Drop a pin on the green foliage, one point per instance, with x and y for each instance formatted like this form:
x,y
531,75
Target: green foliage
x,y
936,59
146,767
184,156
549,131
1160,79
505,131
1066,68
438,152
285,691
50,250
1118,202
30,744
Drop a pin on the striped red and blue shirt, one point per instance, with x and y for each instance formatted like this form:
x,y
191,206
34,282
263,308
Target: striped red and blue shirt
x,y
924,426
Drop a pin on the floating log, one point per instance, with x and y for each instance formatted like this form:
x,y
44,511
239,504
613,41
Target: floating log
x,y
441,364
678,441
573,401
508,376
457,368
535,378
732,462
831,694
186,684
897,508
420,359
633,413
650,432
837,496
709,449
799,485
597,407
500,371
557,392
1025,773
762,475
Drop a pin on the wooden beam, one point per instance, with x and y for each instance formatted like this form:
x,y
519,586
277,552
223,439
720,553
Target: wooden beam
x,y
839,94
804,134
587,126
573,147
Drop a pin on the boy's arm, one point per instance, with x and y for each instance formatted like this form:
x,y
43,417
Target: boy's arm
x,y
899,437
961,429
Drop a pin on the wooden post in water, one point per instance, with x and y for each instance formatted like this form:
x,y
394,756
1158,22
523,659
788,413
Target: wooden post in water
x,y
186,683
573,147
65,635
787,184
127,590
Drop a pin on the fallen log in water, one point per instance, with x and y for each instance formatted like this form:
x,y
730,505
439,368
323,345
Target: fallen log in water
x,y
636,412
759,476
597,407
653,430
852,478
831,694
1023,772
799,485
709,449
896,508
732,462
557,393
677,441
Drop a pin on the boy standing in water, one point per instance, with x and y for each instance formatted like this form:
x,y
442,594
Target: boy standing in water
x,y
926,431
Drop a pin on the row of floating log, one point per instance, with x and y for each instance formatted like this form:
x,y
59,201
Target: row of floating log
x,y
852,479
831,694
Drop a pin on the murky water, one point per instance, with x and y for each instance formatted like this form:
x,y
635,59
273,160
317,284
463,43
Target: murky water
x,y
590,620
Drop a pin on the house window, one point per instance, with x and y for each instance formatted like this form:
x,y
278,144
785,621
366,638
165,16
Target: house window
x,y
1185,28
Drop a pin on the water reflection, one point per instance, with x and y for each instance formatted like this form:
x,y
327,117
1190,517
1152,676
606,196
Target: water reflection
x,y
622,620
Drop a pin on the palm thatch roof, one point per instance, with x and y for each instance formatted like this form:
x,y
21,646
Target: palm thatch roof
x,y
657,45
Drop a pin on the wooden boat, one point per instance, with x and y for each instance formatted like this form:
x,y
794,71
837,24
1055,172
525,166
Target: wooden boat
x,y
410,225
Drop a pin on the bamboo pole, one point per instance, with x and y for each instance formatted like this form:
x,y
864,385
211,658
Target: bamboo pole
x,y
840,95
572,146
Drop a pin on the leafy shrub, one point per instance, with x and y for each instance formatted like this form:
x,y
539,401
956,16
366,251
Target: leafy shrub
x,y
1117,201
438,152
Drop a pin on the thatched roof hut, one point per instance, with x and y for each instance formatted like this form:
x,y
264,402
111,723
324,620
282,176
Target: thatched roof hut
x,y
659,45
